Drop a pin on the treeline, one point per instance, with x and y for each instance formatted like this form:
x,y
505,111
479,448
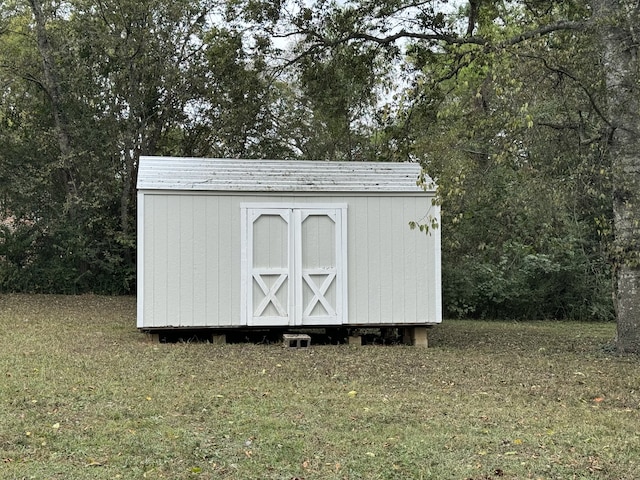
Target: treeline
x,y
512,127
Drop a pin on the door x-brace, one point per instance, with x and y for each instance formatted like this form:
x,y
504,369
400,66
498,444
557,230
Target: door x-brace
x,y
319,293
270,294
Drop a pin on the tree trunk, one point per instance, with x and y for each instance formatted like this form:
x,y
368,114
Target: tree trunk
x,y
618,23
54,91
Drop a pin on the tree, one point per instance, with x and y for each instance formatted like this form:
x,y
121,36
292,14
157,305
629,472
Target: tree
x,y
90,85
616,22
327,99
496,99
520,184
436,34
98,87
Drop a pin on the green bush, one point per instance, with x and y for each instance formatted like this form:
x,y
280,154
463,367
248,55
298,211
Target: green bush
x,y
64,261
525,284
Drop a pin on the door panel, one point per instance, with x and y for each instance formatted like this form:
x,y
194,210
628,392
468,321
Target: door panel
x,y
271,240
318,266
294,265
269,267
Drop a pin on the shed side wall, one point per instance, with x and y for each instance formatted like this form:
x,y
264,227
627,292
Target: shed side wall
x,y
394,275
191,258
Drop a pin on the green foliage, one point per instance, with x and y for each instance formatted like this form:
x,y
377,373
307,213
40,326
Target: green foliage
x,y
516,141
85,256
339,90
240,111
523,284
530,175
512,129
134,78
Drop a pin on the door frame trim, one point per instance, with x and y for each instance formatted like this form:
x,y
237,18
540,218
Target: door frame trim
x,y
294,216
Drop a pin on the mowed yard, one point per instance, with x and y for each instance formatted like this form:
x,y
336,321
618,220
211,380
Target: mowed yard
x,y
83,394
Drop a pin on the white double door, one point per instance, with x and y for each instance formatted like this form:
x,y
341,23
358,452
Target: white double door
x,y
294,264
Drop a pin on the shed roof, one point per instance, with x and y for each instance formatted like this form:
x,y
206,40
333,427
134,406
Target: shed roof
x,y
217,174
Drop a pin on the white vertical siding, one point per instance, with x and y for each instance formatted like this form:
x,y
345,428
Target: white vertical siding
x,y
401,280
358,259
186,258
158,216
231,274
182,262
391,273
373,245
197,255
389,258
219,261
190,258
140,262
170,220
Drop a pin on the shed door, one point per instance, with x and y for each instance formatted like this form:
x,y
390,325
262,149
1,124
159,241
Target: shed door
x,y
294,265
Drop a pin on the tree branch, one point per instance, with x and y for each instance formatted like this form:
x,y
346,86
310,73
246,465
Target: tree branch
x,y
404,34
544,30
558,126
448,38
562,71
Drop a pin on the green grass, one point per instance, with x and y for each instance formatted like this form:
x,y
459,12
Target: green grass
x,y
84,395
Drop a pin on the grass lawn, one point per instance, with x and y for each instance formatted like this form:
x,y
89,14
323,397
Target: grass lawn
x,y
83,394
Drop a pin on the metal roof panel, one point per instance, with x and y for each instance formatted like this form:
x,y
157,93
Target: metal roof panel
x,y
216,174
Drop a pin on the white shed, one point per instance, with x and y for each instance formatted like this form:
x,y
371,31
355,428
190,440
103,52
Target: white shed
x,y
228,243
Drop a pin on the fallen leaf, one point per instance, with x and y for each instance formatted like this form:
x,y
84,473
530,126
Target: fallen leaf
x,y
55,426
598,399
352,393
517,441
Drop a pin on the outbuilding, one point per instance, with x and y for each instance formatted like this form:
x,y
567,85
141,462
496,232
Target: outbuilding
x,y
225,243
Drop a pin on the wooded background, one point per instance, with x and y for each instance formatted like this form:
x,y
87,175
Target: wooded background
x,y
522,110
